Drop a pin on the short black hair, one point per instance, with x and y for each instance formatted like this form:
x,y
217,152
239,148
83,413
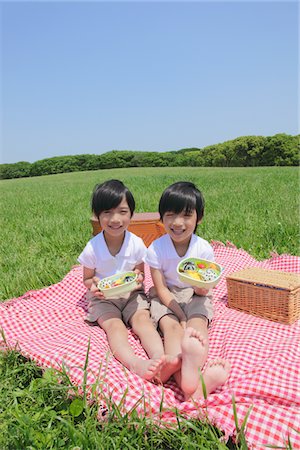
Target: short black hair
x,y
182,196
109,195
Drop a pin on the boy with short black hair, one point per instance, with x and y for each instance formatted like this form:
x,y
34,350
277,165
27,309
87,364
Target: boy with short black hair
x,y
112,251
182,312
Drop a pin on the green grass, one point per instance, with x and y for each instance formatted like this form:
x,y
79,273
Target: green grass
x,y
37,412
45,225
45,220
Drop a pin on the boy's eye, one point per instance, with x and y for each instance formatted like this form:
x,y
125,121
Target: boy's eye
x,y
188,214
169,214
124,211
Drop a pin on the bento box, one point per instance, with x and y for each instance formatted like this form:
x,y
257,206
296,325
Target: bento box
x,y
118,285
199,272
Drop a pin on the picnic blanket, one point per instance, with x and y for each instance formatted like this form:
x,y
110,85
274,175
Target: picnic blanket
x,y
48,327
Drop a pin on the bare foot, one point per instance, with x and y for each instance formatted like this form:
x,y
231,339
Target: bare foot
x,y
147,369
214,376
194,352
171,364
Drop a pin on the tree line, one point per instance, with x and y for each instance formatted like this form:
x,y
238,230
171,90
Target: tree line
x,y
278,150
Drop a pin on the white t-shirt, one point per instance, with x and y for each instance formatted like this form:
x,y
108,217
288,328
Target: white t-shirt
x,y
96,255
162,255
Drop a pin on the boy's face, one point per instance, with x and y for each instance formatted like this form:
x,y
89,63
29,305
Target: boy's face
x,y
180,226
116,220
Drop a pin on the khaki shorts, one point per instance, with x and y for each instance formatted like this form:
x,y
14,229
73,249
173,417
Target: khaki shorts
x,y
120,308
191,304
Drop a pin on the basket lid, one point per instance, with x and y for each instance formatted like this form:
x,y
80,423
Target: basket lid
x,y
274,278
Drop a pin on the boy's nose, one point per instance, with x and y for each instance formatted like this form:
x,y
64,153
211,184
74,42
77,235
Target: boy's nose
x,y
115,218
177,221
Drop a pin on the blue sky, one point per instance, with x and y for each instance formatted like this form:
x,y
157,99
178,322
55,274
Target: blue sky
x,y
90,77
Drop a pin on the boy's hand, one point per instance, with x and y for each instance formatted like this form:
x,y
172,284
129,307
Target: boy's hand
x,y
140,278
183,323
182,320
94,289
201,291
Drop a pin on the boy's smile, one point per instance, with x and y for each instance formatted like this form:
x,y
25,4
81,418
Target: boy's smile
x,y
180,226
115,221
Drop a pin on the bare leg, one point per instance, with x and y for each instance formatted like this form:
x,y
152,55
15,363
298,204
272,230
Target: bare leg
x,y
173,333
214,376
117,336
151,341
143,327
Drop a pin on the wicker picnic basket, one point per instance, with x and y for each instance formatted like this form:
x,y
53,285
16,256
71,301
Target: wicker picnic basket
x,y
145,225
265,293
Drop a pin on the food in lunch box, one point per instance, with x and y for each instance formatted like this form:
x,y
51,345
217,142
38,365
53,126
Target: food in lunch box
x,y
118,284
199,272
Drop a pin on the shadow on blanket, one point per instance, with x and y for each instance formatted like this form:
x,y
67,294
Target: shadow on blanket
x,y
48,326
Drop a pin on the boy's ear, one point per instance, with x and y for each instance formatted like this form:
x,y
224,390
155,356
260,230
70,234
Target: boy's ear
x,y
199,221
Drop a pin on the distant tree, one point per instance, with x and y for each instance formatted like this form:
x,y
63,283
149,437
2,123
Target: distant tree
x,y
191,158
17,170
255,146
280,149
246,150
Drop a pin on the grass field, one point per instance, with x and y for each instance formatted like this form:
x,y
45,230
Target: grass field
x,y
44,226
45,220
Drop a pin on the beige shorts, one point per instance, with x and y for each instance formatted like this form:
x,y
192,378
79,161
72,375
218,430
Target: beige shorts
x,y
122,308
191,304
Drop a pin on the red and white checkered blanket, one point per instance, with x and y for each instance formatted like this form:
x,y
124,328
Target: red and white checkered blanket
x,y
48,326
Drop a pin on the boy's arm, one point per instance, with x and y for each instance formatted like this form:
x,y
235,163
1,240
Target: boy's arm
x,y
90,281
166,297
